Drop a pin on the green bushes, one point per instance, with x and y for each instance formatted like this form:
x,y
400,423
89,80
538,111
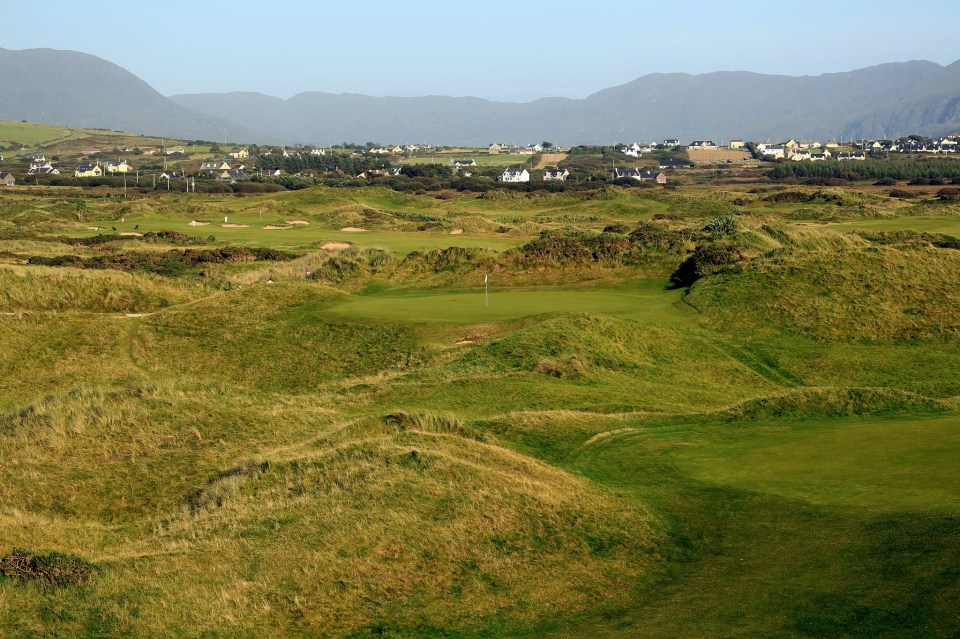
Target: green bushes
x,y
574,247
873,169
902,194
723,225
351,263
51,569
168,263
705,260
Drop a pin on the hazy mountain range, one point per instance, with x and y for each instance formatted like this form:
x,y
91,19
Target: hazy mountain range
x,y
888,100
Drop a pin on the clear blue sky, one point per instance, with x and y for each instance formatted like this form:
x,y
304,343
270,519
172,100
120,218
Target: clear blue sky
x,y
497,50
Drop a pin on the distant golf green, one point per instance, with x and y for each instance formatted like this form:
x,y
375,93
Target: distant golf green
x,y
949,224
645,299
250,229
887,464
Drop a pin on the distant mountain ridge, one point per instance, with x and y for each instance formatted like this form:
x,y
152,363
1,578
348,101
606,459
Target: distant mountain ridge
x,y
888,100
81,90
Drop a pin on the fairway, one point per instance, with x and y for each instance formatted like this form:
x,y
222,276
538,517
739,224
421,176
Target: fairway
x,y
949,224
648,300
301,236
880,464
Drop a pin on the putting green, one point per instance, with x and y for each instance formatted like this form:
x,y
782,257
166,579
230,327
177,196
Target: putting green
x,y
881,464
642,300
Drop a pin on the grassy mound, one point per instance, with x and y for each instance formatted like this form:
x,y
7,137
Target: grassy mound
x,y
57,289
877,293
270,336
403,526
402,530
582,362
823,403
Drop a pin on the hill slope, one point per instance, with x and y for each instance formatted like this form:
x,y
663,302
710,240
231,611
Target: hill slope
x,y
81,90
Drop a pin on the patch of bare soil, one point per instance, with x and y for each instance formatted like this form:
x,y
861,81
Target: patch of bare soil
x,y
335,246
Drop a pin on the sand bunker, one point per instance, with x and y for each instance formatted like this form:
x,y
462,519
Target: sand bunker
x,y
274,227
94,228
198,223
353,229
456,232
335,246
135,314
132,234
235,226
297,222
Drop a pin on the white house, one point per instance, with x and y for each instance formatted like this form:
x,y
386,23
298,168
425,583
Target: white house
x,y
558,175
772,151
120,166
515,175
639,175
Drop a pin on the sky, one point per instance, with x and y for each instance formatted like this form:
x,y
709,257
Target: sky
x,y
516,51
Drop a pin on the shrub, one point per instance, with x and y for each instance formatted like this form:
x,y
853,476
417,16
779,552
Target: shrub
x,y
53,569
619,227
949,194
885,182
723,225
705,260
901,193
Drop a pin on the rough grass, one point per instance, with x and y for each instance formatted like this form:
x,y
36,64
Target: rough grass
x,y
444,529
876,293
266,460
26,289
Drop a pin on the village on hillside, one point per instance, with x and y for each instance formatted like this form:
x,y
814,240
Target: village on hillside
x,y
180,166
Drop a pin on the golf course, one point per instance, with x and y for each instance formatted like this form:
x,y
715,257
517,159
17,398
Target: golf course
x,y
704,411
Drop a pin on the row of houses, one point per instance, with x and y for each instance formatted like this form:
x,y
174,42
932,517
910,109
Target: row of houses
x,y
530,149
522,175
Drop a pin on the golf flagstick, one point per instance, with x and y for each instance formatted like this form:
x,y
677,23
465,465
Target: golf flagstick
x,y
486,290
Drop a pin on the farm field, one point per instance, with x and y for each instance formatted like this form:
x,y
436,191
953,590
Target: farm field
x,y
706,156
689,412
